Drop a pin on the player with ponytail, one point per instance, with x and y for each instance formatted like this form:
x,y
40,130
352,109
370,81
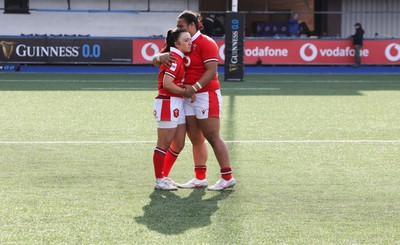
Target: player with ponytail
x,y
168,105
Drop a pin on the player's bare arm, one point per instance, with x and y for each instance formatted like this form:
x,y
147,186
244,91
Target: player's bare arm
x,y
163,58
209,74
168,84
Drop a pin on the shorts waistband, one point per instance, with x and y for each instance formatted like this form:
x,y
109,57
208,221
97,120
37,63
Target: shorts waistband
x,y
163,97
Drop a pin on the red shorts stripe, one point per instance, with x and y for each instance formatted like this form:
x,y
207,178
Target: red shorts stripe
x,y
213,104
166,110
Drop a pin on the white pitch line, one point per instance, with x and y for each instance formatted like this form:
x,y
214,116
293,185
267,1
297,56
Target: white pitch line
x,y
73,81
97,89
323,81
250,89
314,141
223,89
83,142
227,141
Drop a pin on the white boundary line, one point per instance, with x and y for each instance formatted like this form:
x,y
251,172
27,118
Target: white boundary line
x,y
72,81
325,81
83,142
100,89
223,89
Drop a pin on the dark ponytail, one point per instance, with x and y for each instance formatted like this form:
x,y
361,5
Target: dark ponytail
x,y
172,37
191,17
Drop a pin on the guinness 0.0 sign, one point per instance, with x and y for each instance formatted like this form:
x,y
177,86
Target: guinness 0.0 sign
x,y
234,46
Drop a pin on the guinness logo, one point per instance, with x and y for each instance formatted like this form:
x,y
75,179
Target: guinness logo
x,y
233,67
8,48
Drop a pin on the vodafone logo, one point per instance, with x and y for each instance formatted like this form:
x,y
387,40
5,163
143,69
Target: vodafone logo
x,y
149,55
304,53
222,52
388,52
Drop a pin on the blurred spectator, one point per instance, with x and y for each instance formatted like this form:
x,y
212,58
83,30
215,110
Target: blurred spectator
x,y
210,24
293,25
358,38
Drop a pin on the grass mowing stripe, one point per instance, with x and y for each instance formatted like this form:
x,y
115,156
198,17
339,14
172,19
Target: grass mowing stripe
x,y
188,142
224,89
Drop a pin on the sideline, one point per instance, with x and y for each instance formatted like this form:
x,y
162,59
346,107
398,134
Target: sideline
x,y
88,142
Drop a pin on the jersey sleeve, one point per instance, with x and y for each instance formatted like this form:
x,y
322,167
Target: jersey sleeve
x,y
173,69
210,51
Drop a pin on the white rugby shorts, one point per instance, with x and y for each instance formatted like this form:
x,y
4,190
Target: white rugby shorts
x,y
207,105
169,112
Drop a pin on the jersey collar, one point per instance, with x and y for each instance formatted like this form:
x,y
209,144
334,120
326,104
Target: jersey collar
x,y
196,36
175,50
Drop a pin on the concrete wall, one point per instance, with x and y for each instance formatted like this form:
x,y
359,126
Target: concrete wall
x,y
382,17
94,24
114,24
139,5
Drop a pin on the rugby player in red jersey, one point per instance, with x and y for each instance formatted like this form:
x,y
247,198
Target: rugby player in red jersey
x,y
203,115
168,105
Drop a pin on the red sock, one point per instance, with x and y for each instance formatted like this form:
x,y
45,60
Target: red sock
x,y
169,161
200,171
226,173
158,162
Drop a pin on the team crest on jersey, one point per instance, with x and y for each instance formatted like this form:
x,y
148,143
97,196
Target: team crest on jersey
x,y
194,47
186,60
176,112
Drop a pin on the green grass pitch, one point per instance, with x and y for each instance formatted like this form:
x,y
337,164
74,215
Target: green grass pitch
x,y
316,158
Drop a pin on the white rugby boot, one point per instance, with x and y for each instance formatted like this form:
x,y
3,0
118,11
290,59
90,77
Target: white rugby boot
x,y
162,184
194,183
171,182
222,185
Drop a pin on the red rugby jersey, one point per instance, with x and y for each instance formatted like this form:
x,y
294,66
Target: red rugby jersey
x,y
204,49
176,70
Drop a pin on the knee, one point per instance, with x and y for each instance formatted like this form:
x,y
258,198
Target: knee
x,y
213,139
197,139
178,147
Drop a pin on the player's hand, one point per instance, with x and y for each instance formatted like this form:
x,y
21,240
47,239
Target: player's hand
x,y
167,59
189,91
193,98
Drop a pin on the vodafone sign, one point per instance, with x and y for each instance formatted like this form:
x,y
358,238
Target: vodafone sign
x,y
145,49
392,52
307,51
303,52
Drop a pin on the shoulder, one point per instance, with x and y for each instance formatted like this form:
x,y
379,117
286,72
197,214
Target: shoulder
x,y
207,39
207,42
178,57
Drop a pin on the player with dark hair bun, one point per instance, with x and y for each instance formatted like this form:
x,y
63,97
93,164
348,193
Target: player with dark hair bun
x,y
168,105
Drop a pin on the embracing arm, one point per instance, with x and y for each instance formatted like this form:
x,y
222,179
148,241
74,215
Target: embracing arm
x,y
163,58
209,74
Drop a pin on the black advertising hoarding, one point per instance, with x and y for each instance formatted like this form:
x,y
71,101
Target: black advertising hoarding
x,y
234,46
66,50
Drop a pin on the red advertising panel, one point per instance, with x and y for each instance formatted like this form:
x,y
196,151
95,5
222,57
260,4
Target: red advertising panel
x,y
145,49
320,52
286,52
